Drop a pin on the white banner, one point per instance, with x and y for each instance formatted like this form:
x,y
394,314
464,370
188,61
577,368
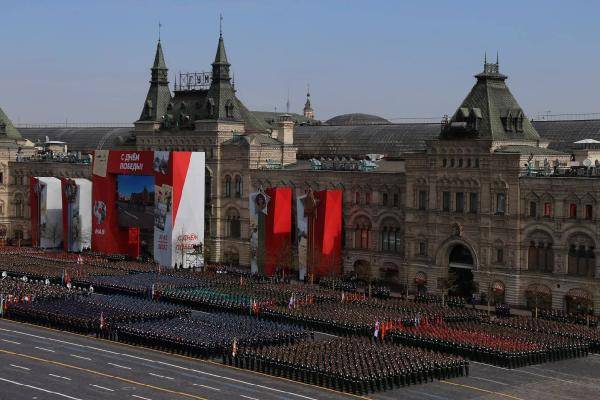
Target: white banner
x,y
79,218
188,225
51,226
302,226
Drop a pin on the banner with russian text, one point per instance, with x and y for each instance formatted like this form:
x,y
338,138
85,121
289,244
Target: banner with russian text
x,y
179,208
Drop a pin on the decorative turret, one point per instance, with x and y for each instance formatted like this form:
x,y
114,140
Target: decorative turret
x,y
490,111
159,95
220,67
221,103
308,111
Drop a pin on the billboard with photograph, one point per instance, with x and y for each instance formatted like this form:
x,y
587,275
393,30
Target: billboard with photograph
x,y
154,196
77,214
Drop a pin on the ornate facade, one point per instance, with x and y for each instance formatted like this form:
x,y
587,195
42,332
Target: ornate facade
x,y
476,204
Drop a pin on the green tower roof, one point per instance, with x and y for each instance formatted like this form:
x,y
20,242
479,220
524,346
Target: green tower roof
x,y
490,111
7,129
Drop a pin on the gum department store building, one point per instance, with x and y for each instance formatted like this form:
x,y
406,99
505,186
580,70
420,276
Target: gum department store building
x,y
486,202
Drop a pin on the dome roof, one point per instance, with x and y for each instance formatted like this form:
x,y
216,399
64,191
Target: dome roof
x,y
357,119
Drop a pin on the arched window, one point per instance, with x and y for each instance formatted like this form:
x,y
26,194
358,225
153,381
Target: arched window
x,y
540,255
238,186
362,229
19,206
582,259
390,237
233,226
228,186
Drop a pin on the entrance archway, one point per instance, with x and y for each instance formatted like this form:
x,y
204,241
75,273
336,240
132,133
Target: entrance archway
x,y
460,274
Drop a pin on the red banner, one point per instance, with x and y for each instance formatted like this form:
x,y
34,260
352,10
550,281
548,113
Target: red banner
x,y
327,243
130,162
134,242
278,230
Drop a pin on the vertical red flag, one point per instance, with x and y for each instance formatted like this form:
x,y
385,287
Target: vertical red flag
x,y
278,235
327,243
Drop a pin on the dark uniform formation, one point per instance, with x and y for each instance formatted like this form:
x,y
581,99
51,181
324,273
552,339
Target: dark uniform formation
x,y
354,365
576,332
19,290
260,326
562,316
142,283
208,335
360,318
93,313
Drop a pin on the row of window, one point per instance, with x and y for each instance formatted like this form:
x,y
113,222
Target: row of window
x,y
460,205
581,261
238,186
588,210
366,199
460,163
390,239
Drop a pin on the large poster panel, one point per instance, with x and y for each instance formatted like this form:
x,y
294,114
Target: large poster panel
x,y
258,210
50,214
188,208
163,208
147,202
77,214
108,236
304,206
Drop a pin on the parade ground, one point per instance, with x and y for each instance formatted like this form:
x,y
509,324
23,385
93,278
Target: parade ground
x,y
42,363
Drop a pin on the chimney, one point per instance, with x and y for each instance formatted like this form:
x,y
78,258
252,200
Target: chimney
x,y
285,129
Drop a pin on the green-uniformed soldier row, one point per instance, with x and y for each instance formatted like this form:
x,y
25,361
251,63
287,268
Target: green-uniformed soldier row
x,y
354,365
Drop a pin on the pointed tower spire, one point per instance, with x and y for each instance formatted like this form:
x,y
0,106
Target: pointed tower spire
x,y
308,111
159,95
159,60
220,67
221,94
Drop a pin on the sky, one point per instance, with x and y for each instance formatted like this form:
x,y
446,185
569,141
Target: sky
x,y
88,61
135,184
